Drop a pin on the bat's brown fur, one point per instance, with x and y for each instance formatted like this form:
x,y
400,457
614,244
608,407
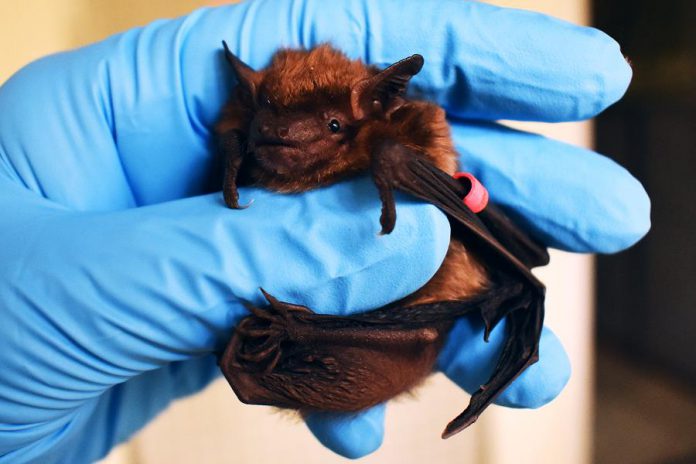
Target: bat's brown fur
x,y
310,87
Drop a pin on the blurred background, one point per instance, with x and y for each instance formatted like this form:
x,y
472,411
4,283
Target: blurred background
x,y
646,323
626,320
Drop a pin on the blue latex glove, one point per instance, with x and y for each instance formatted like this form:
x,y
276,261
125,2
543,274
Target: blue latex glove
x,y
121,274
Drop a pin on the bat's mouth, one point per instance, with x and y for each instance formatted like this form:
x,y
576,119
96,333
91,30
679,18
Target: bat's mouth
x,y
271,142
273,150
278,156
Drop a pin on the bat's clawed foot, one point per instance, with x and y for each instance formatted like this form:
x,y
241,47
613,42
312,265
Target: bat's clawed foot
x,y
231,147
389,166
259,337
231,196
387,219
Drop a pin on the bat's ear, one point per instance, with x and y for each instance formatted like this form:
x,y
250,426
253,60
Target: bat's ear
x,y
383,91
246,77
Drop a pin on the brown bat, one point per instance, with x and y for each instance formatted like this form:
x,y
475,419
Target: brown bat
x,y
313,118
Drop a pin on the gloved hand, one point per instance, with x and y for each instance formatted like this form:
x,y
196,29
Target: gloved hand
x,y
121,273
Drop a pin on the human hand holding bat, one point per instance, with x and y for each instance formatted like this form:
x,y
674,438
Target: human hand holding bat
x,y
124,276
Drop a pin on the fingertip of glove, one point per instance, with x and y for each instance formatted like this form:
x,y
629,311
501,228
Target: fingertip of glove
x,y
637,218
626,214
469,362
352,436
542,382
613,71
616,216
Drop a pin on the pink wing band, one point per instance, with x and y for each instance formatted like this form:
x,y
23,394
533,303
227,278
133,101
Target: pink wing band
x,y
477,198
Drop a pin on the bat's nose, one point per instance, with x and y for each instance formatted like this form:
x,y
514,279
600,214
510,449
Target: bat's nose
x,y
270,131
265,130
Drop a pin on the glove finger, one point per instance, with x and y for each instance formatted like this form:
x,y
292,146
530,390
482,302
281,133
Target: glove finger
x,y
105,419
350,435
99,298
469,361
481,61
566,196
144,101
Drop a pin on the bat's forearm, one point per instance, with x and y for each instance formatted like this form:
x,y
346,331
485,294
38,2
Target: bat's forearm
x,y
374,335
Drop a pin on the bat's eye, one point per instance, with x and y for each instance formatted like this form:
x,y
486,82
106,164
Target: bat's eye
x,y
334,125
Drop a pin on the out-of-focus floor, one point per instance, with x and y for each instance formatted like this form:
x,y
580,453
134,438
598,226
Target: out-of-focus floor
x,y
642,416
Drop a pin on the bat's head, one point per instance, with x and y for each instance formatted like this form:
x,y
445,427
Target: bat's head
x,y
309,106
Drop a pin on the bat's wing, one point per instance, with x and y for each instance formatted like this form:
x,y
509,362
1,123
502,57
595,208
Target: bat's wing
x,y
289,356
509,235
399,167
504,247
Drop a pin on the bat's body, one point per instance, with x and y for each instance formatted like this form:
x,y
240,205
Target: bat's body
x,y
313,118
